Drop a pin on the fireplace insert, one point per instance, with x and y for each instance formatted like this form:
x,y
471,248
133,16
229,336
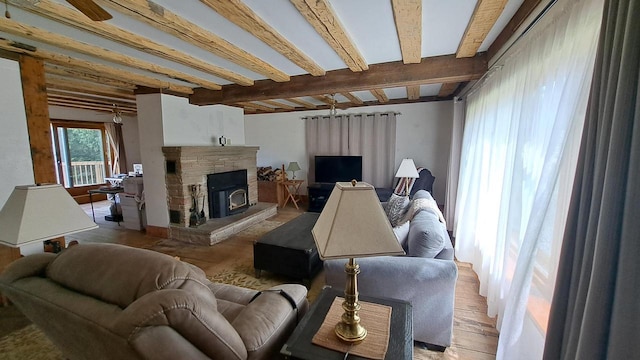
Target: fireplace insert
x,y
228,193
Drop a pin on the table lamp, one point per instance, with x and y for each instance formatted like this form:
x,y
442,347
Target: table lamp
x,y
353,224
36,213
293,167
406,171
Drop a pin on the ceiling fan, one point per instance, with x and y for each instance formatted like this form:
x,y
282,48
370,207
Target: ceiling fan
x,y
90,9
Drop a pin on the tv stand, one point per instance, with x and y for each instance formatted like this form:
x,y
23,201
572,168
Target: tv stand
x,y
318,195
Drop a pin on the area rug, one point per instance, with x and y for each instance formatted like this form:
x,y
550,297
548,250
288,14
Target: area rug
x,y
28,343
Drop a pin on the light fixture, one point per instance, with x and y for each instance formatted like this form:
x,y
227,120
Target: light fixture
x,y
332,109
293,167
117,114
407,170
353,224
36,213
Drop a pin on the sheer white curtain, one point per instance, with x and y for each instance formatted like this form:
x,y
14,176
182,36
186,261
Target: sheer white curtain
x,y
519,151
372,136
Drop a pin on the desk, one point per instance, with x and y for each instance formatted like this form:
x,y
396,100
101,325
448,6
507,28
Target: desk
x,y
292,187
111,191
299,345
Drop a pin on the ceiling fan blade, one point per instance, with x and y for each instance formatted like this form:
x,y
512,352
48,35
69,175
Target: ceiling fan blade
x,y
91,9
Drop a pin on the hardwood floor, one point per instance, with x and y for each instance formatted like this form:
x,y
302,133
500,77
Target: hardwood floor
x,y
474,334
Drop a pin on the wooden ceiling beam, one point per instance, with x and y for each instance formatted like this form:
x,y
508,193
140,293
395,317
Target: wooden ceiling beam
x,y
107,103
484,17
164,20
322,17
408,17
256,106
241,15
80,75
303,103
278,104
86,88
433,70
323,98
354,99
380,95
78,96
34,33
98,69
413,92
103,107
447,89
81,106
71,17
524,11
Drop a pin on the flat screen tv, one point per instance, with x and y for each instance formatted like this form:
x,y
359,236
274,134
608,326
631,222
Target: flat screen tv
x,y
331,169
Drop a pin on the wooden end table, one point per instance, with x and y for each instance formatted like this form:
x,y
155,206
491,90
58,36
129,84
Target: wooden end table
x,y
299,345
292,188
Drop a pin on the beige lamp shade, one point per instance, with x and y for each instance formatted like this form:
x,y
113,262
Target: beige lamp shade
x,y
293,166
407,169
37,213
353,224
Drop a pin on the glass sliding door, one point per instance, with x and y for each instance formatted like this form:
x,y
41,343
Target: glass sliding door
x,y
80,154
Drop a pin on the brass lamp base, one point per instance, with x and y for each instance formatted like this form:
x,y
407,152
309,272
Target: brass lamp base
x,y
349,328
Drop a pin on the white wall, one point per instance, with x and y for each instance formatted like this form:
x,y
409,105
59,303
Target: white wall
x,y
423,133
129,127
191,125
16,165
166,120
151,142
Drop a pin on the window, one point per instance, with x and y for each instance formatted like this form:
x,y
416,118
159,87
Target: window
x,y
79,150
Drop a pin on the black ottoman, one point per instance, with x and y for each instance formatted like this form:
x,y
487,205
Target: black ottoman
x,y
289,250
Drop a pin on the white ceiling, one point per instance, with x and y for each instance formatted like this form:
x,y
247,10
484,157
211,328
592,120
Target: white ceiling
x,y
369,24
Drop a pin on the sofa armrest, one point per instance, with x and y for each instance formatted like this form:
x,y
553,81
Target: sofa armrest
x,y
33,265
270,318
428,284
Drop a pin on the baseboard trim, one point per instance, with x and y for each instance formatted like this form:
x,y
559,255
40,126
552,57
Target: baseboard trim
x,y
157,231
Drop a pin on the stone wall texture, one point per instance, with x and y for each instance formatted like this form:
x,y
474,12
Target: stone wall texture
x,y
192,164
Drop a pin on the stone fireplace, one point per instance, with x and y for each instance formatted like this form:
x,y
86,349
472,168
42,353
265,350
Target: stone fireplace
x,y
189,165
188,168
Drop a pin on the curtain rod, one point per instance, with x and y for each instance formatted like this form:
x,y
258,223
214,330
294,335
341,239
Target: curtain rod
x,y
348,114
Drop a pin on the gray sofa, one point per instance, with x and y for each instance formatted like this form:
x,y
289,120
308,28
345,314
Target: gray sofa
x,y
105,301
426,281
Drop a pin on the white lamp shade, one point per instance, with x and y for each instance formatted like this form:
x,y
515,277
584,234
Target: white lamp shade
x,y
407,169
353,224
37,213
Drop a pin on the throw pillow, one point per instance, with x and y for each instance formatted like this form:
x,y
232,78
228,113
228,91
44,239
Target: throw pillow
x,y
426,237
402,234
396,208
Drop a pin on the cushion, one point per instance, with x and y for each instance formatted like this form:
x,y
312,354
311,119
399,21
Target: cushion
x,y
396,208
426,237
126,273
402,234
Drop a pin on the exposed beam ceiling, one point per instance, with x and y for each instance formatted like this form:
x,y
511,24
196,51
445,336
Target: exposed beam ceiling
x,y
263,56
433,70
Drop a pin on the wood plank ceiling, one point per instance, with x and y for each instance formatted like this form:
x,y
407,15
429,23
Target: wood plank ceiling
x,y
263,56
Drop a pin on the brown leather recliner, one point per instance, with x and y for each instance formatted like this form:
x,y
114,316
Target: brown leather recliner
x,y
106,301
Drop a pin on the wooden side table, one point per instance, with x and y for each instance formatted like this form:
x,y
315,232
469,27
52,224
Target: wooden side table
x,y
292,187
299,345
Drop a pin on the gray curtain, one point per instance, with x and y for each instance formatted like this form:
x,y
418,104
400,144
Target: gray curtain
x,y
372,136
595,313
